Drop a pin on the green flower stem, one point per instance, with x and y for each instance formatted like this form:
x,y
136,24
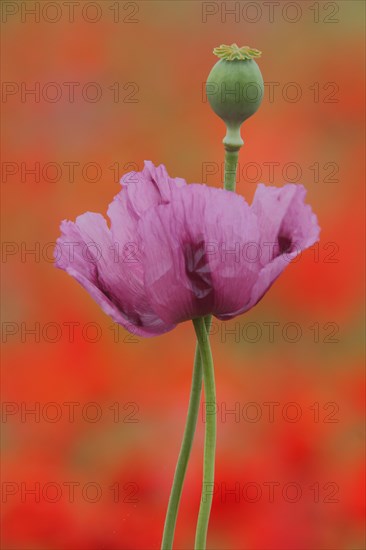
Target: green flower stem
x,y
231,163
185,450
231,166
210,434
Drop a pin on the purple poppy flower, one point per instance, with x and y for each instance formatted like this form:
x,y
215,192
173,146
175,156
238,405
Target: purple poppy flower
x,y
174,251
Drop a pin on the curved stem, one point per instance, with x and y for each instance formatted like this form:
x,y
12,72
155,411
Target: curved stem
x,y
185,450
210,434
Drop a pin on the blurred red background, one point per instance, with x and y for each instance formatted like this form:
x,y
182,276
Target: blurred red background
x,y
91,468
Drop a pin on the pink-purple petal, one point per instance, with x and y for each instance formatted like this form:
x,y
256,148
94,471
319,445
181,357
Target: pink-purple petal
x,y
86,251
189,268
174,251
148,188
293,223
282,217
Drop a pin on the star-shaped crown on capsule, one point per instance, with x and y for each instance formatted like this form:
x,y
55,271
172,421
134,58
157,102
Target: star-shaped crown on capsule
x,y
230,53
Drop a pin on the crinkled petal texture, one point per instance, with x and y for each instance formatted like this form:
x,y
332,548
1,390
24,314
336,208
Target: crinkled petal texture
x,y
174,251
107,261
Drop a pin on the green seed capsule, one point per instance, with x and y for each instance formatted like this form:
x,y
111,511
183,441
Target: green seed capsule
x,y
234,89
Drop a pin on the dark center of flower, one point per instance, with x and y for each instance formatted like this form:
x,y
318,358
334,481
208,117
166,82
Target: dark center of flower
x,y
284,244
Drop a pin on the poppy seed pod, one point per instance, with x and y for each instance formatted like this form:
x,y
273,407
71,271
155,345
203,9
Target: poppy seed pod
x,y
234,89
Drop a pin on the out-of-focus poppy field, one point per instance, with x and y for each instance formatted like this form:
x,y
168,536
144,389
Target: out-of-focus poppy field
x,y
92,417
